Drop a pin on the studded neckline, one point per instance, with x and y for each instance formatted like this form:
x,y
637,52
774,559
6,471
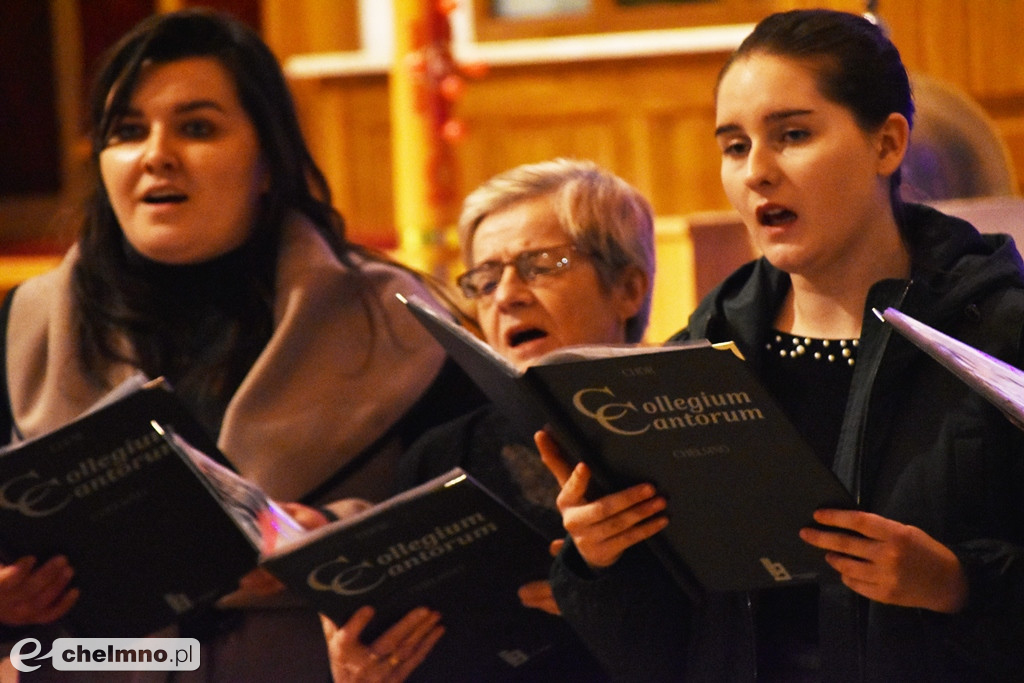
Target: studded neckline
x,y
808,348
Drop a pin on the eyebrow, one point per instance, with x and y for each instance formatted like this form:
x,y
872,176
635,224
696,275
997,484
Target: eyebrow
x,y
771,118
184,108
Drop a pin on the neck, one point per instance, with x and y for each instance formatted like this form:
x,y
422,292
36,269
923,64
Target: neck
x,y
832,307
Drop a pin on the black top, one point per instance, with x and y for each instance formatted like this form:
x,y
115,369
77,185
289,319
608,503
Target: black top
x,y
810,378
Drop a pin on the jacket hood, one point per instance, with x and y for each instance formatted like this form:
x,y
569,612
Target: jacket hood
x,y
952,264
956,264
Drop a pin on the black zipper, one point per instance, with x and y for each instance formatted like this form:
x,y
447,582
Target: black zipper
x,y
860,611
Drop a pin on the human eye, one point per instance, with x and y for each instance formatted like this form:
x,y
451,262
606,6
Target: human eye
x,y
481,280
734,147
126,130
542,262
198,128
795,135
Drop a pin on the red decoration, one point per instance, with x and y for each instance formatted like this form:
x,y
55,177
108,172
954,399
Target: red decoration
x,y
440,82
452,87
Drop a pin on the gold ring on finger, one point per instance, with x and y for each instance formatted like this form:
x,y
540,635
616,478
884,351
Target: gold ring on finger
x,y
393,660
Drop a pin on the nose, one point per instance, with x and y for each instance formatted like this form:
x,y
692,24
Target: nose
x,y
761,167
511,290
160,153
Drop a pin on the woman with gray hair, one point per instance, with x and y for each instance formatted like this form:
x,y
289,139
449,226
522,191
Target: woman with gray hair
x,y
559,252
600,215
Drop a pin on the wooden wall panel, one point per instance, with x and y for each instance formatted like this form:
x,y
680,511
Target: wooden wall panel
x,y
688,169
606,16
649,120
995,49
500,143
371,195
349,131
994,53
298,26
1012,129
974,45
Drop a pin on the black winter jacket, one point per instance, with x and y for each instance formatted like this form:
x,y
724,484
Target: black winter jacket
x,y
916,446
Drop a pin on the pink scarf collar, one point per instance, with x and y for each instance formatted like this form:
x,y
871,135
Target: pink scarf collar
x,y
344,363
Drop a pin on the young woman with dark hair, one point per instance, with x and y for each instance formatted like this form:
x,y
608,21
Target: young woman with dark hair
x,y
210,254
813,117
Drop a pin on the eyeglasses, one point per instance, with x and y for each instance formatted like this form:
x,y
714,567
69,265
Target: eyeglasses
x,y
529,265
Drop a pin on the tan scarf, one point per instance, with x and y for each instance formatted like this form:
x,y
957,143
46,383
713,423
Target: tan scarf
x,y
344,363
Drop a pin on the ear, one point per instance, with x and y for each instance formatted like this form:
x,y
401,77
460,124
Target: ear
x,y
892,140
630,292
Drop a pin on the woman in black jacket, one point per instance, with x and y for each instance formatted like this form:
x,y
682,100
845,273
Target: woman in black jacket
x,y
560,252
813,119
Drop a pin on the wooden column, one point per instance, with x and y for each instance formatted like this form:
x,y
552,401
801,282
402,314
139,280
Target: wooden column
x,y
422,131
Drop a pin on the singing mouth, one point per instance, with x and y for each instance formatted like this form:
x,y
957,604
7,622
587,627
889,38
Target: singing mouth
x,y
773,216
164,197
523,336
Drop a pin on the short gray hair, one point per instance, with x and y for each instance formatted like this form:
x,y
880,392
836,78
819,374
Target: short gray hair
x,y
602,214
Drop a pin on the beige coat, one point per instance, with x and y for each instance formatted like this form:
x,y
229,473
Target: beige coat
x,y
345,362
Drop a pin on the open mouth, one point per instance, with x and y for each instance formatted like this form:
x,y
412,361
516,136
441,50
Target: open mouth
x,y
164,198
523,336
775,216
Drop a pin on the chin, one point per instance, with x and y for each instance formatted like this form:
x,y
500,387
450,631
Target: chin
x,y
161,245
523,361
170,257
174,253
784,257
